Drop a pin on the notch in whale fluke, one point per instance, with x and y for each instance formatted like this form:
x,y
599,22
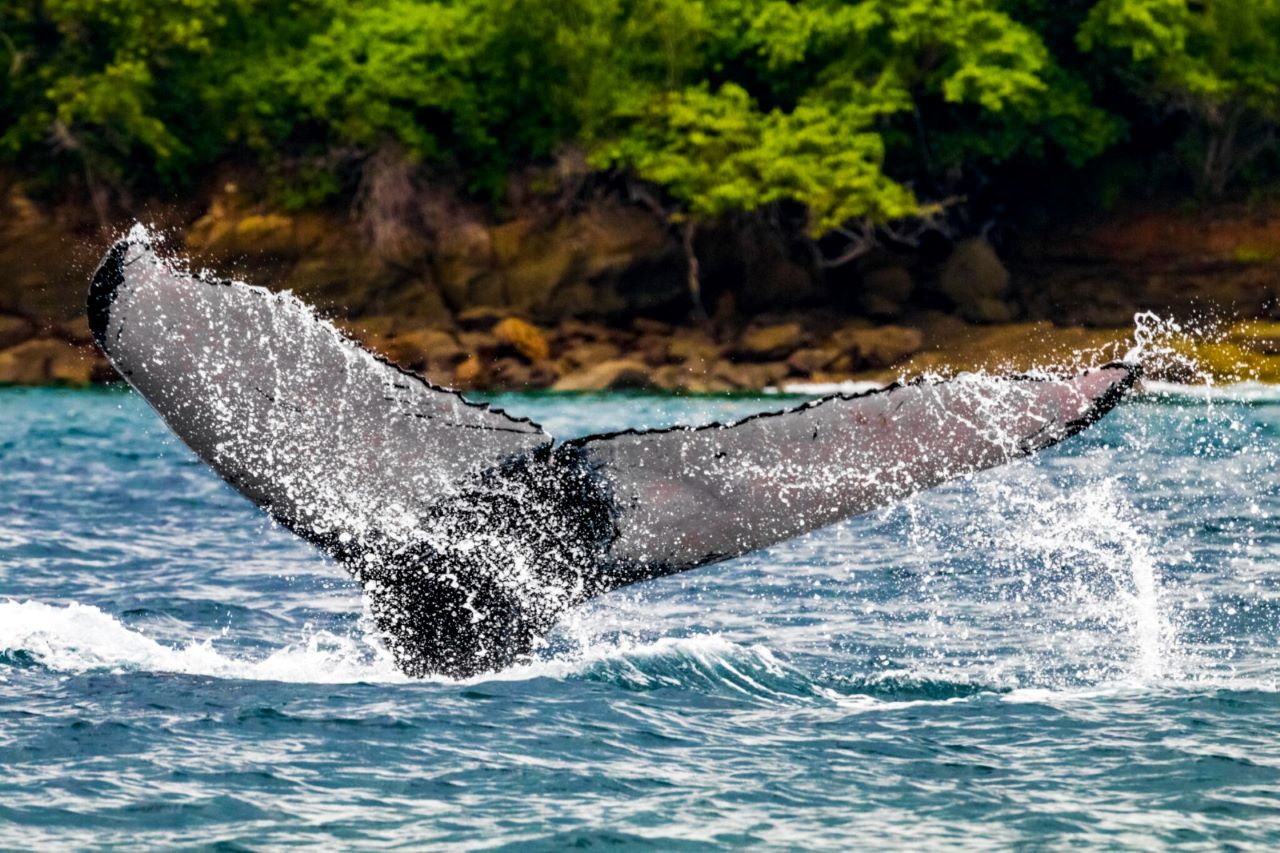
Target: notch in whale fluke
x,y
470,530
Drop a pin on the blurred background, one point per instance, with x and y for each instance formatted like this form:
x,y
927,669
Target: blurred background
x,y
691,196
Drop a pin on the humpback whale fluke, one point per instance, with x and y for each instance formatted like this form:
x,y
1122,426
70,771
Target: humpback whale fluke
x,y
471,530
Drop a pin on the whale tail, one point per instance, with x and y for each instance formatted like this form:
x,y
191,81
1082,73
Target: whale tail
x,y
471,530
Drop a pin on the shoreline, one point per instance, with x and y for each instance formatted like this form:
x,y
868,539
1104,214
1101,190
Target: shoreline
x,y
596,298
494,351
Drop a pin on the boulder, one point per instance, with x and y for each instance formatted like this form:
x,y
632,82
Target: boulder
x,y
525,338
885,292
688,344
976,281
651,348
372,329
76,331
480,318
425,348
812,360
45,360
765,343
470,373
14,330
617,374
879,347
690,378
576,329
646,326
479,343
590,353
751,377
510,374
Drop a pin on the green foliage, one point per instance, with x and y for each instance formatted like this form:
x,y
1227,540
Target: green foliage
x,y
843,83
1217,60
862,110
718,154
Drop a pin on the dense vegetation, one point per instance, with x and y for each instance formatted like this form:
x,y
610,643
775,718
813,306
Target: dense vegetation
x,y
852,113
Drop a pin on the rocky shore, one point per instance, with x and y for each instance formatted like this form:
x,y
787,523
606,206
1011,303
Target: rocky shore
x,y
595,297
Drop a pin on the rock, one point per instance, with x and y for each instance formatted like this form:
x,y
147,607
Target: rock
x,y
975,280
778,281
751,377
688,344
646,326
510,374
591,353
689,378
44,360
418,302
525,338
991,311
878,347
812,360
375,328
479,343
226,232
425,349
576,329
14,330
481,318
616,374
76,331
652,348
337,280
1103,299
463,253
470,374
764,343
885,292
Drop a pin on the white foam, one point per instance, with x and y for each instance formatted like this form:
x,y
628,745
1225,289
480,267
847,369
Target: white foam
x,y
82,638
79,638
1244,392
826,389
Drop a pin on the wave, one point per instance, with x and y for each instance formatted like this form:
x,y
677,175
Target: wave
x,y
81,638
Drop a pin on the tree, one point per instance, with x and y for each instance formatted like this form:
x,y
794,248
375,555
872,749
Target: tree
x,y
1218,61
813,97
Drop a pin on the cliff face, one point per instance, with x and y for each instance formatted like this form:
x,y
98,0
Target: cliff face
x,y
594,295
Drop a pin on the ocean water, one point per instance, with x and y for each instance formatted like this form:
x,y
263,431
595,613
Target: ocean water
x,y
1082,649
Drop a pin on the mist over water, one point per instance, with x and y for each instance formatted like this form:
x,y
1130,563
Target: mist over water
x,y
1076,648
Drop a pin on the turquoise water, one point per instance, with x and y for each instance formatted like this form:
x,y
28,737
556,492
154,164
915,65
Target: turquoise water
x,y
1078,650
